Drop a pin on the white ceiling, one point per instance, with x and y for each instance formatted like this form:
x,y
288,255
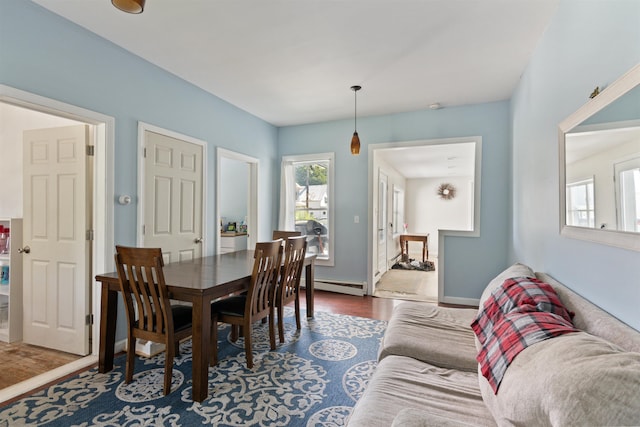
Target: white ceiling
x,y
432,161
293,61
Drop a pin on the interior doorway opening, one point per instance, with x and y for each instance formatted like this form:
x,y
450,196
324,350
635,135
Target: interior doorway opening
x,y
410,175
102,127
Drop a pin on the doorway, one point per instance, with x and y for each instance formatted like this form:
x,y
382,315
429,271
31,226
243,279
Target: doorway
x,y
250,192
414,172
101,207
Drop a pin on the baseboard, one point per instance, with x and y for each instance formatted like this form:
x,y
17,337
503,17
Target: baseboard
x,y
339,286
461,301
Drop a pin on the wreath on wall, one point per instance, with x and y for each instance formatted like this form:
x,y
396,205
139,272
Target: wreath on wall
x,y
446,191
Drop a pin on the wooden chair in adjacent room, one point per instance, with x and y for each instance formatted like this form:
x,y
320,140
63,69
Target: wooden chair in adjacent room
x,y
150,315
281,234
256,304
289,283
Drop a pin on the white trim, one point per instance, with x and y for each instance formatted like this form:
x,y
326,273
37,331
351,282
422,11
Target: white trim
x,y
142,128
614,91
442,233
330,156
103,183
252,215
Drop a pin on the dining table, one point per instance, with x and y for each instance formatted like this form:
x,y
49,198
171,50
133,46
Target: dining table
x,y
197,281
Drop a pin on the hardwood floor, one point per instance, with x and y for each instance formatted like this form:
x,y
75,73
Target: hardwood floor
x,y
362,306
19,362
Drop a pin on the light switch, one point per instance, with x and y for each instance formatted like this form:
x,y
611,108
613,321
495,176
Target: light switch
x,y
356,219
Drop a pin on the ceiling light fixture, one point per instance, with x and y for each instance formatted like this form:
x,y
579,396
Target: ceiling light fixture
x,y
129,6
355,140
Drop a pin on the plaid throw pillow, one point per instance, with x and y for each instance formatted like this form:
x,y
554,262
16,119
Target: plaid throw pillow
x,y
521,312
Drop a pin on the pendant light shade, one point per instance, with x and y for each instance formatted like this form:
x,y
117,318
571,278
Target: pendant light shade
x,y
129,6
355,139
355,144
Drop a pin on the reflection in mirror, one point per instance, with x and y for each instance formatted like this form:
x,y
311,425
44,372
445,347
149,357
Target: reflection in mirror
x,y
600,166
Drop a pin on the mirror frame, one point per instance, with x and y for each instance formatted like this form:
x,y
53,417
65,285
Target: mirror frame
x,y
610,94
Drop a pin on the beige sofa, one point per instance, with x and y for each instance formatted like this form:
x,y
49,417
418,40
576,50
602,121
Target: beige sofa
x,y
427,373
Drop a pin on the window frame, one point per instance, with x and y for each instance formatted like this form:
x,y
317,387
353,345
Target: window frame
x,y
287,222
590,198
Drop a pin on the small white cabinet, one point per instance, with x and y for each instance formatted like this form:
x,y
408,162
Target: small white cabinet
x,y
233,242
11,289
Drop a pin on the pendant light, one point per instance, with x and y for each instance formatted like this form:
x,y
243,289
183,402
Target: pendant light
x,y
129,6
355,140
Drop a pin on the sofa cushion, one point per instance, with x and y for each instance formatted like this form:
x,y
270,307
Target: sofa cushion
x,y
440,336
410,417
573,379
521,312
516,270
400,382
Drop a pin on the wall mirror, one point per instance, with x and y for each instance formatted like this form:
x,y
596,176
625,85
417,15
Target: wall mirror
x,y
600,167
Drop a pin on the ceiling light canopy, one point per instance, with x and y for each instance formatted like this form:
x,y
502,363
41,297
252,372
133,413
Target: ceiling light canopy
x,y
355,139
129,6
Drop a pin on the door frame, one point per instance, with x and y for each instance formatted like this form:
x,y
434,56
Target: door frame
x,y
142,128
252,214
442,234
103,190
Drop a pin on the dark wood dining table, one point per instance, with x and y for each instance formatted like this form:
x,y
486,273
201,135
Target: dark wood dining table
x,y
198,281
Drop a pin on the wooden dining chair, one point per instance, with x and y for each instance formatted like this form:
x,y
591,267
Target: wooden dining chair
x,y
150,315
289,282
256,304
281,234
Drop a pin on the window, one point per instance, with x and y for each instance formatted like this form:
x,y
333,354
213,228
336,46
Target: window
x,y
580,204
306,201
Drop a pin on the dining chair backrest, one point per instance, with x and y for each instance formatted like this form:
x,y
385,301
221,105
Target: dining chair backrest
x,y
266,268
281,234
145,292
295,250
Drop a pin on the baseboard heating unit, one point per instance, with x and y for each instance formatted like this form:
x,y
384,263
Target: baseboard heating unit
x,y
340,286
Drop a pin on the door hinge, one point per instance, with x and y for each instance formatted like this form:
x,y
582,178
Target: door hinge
x,y
89,319
90,150
90,235
144,152
143,230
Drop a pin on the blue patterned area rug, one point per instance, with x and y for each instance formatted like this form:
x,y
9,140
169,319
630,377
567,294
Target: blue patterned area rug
x,y
313,379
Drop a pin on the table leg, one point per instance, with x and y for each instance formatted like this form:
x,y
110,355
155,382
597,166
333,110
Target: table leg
x,y
308,287
201,323
108,317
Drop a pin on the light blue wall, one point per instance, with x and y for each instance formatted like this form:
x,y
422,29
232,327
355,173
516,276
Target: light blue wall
x,y
47,55
588,44
470,262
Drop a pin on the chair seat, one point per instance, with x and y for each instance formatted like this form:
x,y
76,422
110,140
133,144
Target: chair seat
x,y
232,306
182,315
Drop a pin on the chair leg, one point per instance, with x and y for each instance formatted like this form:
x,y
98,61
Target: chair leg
x,y
272,330
297,307
213,358
234,333
247,345
281,323
168,367
131,354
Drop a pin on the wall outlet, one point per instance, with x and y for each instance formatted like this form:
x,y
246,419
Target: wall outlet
x,y
356,219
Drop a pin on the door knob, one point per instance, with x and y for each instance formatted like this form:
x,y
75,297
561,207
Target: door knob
x,y
26,250
198,240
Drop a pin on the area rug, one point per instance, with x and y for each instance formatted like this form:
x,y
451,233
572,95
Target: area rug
x,y
313,379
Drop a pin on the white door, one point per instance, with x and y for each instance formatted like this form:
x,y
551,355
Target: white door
x,y
382,223
57,273
173,196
